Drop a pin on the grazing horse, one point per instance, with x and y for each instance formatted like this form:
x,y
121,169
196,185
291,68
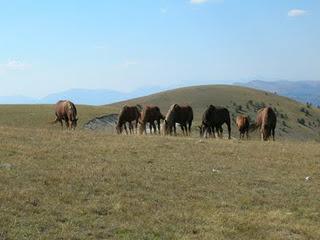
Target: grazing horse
x,y
150,114
266,121
182,115
66,111
242,123
213,118
128,114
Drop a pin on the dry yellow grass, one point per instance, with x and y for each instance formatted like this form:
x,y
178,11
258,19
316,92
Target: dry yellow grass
x,y
83,185
92,185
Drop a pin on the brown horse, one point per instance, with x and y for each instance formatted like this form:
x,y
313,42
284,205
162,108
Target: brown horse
x,y
66,111
213,118
266,121
243,125
150,114
182,115
128,114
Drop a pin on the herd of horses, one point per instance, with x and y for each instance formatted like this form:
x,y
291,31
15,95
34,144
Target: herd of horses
x,y
137,118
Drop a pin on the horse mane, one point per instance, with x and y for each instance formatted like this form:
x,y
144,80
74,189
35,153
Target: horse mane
x,y
170,115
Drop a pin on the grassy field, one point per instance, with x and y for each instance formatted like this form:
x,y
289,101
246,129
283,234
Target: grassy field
x,y
83,185
80,184
40,116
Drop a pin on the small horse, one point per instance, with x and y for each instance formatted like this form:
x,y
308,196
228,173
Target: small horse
x,y
182,115
67,111
213,118
266,121
242,123
128,114
150,114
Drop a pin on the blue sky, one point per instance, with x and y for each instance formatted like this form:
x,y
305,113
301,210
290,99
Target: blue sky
x,y
50,46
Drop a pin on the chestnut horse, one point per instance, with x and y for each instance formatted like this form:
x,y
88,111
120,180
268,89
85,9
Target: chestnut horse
x,y
150,114
266,121
66,111
242,123
182,115
128,114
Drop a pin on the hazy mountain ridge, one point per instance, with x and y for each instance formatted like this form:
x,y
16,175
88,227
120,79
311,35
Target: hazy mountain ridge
x,y
302,91
81,96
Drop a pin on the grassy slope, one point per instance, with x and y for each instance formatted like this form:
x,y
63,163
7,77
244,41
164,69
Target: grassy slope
x,y
40,116
87,185
222,95
83,185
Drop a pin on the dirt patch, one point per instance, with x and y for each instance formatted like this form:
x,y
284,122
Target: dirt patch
x,y
103,123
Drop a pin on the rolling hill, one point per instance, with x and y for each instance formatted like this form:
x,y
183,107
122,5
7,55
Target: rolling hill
x,y
295,120
94,185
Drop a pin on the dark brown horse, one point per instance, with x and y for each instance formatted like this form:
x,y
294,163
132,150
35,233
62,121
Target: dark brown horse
x,y
128,114
66,111
212,119
150,114
266,121
242,123
182,115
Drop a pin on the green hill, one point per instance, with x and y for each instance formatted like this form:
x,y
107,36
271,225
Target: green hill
x,y
295,120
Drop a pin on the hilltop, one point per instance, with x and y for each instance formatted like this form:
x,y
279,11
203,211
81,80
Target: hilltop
x,y
302,91
295,120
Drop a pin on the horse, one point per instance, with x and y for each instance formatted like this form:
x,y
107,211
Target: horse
x,y
150,114
182,115
213,118
266,121
128,114
242,123
66,111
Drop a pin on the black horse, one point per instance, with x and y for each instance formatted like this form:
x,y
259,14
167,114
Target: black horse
x,y
212,119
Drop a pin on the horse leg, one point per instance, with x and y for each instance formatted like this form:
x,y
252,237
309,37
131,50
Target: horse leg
x,y
61,123
273,134
229,131
209,131
262,134
190,125
185,129
181,126
70,124
150,127
125,128
175,129
137,121
212,132
158,122
154,128
131,128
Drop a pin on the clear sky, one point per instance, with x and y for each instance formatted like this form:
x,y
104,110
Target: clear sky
x,y
49,46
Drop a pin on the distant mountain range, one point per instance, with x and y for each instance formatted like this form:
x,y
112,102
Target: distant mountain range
x,y
302,91
82,96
